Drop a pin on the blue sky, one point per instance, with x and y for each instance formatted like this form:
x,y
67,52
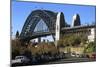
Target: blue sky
x,y
21,10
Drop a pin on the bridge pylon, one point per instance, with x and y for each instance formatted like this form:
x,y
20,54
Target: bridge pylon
x,y
57,31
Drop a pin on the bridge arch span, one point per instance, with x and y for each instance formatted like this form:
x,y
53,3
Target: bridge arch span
x,y
32,20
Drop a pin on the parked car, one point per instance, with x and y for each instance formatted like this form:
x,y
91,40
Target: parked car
x,y
20,59
93,56
73,54
34,60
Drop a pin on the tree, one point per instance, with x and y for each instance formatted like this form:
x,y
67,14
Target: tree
x,y
15,48
76,41
83,38
72,40
91,47
60,43
43,48
17,34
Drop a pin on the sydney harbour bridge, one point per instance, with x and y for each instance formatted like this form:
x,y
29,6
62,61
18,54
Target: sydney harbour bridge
x,y
42,23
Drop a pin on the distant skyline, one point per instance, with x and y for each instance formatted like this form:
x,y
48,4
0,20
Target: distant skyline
x,y
21,10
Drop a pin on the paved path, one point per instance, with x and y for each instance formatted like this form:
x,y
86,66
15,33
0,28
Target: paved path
x,y
68,60
71,60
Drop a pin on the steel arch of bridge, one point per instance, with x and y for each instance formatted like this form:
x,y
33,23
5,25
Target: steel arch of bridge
x,y
32,20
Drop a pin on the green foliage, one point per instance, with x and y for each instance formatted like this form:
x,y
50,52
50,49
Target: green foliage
x,y
60,43
76,41
71,40
18,49
83,38
91,47
43,48
15,48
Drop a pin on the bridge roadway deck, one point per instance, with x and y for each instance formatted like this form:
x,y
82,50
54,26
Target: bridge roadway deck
x,y
43,34
38,34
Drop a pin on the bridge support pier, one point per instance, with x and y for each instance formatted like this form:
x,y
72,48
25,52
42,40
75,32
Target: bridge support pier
x,y
57,31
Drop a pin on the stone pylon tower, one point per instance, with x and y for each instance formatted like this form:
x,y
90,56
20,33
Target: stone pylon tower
x,y
57,31
76,20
